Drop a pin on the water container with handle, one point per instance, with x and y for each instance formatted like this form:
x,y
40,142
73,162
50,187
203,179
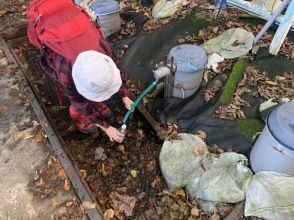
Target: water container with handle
x,y
190,61
274,148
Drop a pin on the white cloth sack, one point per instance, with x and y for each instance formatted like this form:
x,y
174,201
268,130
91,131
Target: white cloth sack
x,y
231,44
178,162
226,181
270,196
165,8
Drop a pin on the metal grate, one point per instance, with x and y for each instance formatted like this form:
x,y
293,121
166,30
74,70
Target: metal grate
x,y
45,85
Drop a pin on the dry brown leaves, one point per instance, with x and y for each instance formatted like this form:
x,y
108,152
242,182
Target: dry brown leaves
x,y
213,148
171,133
123,203
267,88
174,205
108,214
171,206
128,28
233,110
50,178
276,88
185,9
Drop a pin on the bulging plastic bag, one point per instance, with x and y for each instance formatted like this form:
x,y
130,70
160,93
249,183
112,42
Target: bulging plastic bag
x,y
270,196
226,180
180,160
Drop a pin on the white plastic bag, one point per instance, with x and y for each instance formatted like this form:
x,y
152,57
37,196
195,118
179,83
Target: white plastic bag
x,y
231,44
226,181
178,161
270,196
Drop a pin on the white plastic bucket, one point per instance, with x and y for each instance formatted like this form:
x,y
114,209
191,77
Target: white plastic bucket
x,y
106,13
274,150
190,61
110,23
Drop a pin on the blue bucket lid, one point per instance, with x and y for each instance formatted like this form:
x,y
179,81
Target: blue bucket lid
x,y
281,124
104,7
188,57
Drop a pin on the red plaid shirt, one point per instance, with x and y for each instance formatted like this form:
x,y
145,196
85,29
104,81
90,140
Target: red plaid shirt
x,y
84,112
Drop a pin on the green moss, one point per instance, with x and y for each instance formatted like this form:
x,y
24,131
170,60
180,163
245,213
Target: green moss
x,y
230,87
249,127
200,20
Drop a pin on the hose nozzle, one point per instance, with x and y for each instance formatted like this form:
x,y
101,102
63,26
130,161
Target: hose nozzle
x,y
164,70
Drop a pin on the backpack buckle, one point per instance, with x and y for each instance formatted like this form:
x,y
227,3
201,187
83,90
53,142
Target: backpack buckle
x,y
37,20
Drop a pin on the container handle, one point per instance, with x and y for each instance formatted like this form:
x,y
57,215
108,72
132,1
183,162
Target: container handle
x,y
280,150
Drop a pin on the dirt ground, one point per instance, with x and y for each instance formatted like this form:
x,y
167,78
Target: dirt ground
x,y
125,178
26,186
23,150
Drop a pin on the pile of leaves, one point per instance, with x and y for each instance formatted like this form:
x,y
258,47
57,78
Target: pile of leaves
x,y
258,84
277,88
12,14
152,24
169,133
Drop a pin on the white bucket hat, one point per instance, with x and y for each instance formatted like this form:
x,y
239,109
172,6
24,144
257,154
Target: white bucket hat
x,y
96,76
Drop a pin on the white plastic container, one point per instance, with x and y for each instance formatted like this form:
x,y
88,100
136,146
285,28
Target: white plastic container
x,y
274,148
107,15
190,61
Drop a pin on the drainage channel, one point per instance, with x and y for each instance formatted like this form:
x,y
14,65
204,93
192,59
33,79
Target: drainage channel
x,y
106,180
80,186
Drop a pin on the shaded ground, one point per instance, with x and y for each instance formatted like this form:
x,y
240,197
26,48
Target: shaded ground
x,y
12,14
33,180
23,149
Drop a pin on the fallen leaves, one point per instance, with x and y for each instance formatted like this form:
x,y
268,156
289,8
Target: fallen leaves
x,y
195,212
181,193
88,205
24,135
66,185
171,133
123,203
183,10
201,134
3,109
54,203
83,173
200,150
215,216
38,138
275,88
69,204
108,214
128,28
172,207
272,83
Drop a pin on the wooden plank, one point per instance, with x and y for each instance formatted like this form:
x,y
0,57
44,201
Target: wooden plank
x,y
255,10
283,30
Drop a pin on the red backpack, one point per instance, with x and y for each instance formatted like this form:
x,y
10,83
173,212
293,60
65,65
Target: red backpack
x,y
62,26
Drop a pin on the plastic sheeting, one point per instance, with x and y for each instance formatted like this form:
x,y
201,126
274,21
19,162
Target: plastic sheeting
x,y
270,196
192,114
231,44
